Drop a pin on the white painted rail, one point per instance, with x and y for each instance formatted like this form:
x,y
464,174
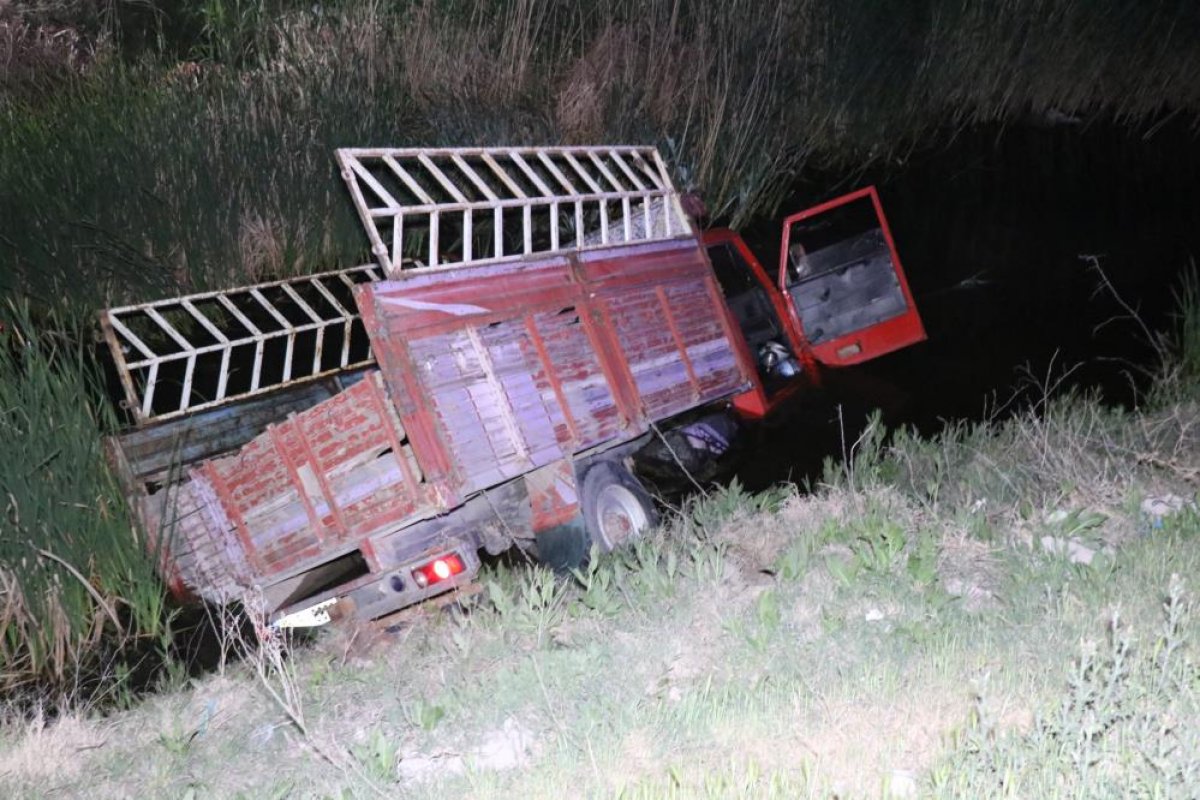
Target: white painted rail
x,y
186,354
451,207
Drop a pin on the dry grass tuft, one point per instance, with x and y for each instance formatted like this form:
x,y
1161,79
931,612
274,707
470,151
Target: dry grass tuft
x,y
45,753
261,248
969,569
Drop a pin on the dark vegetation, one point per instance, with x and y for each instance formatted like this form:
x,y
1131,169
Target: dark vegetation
x,y
148,148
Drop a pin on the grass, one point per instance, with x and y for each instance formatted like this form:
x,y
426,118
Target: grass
x,y
144,174
902,630
75,581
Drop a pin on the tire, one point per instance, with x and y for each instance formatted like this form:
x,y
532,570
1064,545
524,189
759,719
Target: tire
x,y
616,507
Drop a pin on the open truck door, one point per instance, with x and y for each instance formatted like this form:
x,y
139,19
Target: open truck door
x,y
842,280
839,298
770,339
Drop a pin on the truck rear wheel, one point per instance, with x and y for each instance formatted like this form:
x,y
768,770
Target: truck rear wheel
x,y
616,508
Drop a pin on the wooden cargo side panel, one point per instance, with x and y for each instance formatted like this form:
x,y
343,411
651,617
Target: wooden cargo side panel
x,y
494,419
317,483
704,337
671,326
507,367
366,477
587,412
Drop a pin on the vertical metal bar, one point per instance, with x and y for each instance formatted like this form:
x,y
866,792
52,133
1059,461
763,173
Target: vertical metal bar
x,y
118,352
434,225
256,369
498,233
467,236
288,350
539,345
398,241
346,317
554,233
315,522
151,383
680,344
189,371
223,377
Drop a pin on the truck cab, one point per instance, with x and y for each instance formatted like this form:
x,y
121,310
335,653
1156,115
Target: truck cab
x,y
837,297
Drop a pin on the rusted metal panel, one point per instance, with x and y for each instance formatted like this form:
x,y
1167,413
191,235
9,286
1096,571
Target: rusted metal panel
x,y
553,496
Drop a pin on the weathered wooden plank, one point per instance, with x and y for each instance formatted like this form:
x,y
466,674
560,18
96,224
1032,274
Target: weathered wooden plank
x,y
154,450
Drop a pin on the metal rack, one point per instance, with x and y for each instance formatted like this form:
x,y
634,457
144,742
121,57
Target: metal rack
x,y
444,208
178,356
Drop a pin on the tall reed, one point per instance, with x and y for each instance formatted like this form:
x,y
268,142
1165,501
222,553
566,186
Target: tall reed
x,y
73,574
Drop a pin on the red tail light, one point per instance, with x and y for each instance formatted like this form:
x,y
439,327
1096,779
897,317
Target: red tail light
x,y
440,569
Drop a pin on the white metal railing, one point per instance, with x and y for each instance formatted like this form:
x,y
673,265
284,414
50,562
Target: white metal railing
x,y
186,354
431,208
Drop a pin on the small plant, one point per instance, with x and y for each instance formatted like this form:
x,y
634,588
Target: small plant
x,y
709,511
922,560
535,604
597,585
423,714
878,548
1124,722
760,631
378,756
793,562
178,740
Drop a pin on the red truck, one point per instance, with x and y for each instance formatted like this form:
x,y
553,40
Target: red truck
x,y
536,318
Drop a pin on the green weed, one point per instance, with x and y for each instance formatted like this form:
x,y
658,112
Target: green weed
x,y
378,756
597,585
533,602
75,577
1123,724
423,714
